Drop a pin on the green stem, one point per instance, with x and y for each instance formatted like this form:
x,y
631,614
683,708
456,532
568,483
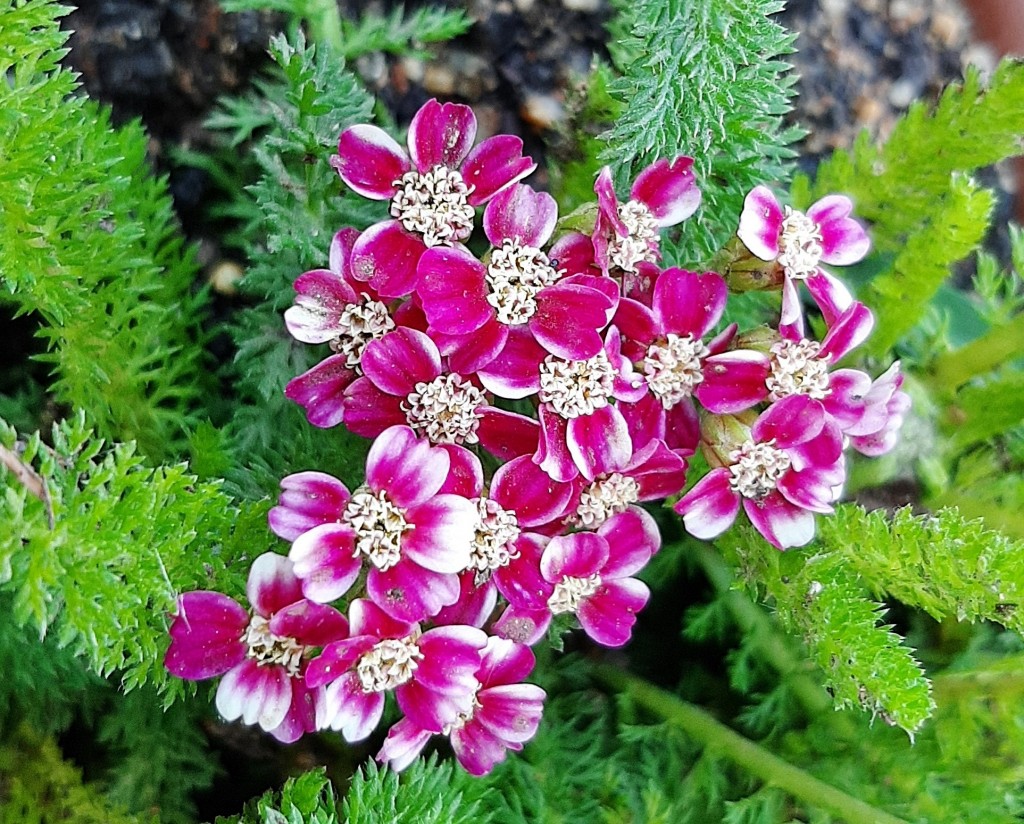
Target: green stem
x,y
721,740
953,369
325,24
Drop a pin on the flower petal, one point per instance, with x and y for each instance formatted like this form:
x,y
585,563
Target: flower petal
x,y
523,487
668,189
441,135
553,455
325,561
369,160
515,372
843,239
599,442
321,297
441,534
849,331
511,711
609,614
734,381
632,538
386,257
453,288
761,223
790,421
348,709
781,523
568,320
400,360
711,506
522,214
307,500
408,592
688,303
504,662
477,749
256,694
310,624
494,164
368,411
578,555
408,469
507,435
321,391
272,584
206,636
404,742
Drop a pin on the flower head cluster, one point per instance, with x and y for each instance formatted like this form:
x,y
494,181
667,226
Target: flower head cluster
x,y
621,370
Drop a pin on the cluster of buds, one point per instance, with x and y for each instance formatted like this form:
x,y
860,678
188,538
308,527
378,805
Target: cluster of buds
x,y
523,399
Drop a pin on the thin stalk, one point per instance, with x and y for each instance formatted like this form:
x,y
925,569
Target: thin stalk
x,y
324,22
953,369
767,766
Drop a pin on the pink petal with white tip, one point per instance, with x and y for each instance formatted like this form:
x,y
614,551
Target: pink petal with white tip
x,y
325,561
688,303
369,160
522,214
632,537
831,295
348,709
453,288
465,473
401,359
432,710
321,391
301,715
845,401
451,657
711,506
256,694
599,442
310,624
608,203
515,372
403,744
494,164
843,239
272,584
511,711
408,469
609,614
761,223
810,489
441,534
321,297
522,624
553,455
849,331
568,320
668,189
658,470
504,662
386,256
307,500
521,581
782,524
339,256
477,749
441,135
578,555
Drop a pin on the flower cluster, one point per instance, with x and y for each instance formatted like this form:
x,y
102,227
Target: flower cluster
x,y
585,373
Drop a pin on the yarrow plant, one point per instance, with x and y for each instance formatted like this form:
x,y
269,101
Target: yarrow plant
x,y
525,396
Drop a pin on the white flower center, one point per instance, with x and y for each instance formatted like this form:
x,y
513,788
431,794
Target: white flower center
x,y
756,468
266,648
641,240
800,247
673,369
797,370
606,497
435,205
570,591
389,664
359,324
379,526
576,388
445,410
515,275
493,542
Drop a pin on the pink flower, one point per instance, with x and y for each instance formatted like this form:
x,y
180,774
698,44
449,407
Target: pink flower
x,y
415,539
626,234
741,378
884,405
331,306
589,575
471,306
788,466
799,242
263,655
433,674
666,342
505,714
433,189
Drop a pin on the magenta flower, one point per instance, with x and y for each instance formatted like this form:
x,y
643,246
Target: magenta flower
x,y
433,189
472,305
432,674
332,307
799,242
589,575
666,342
741,378
789,466
263,655
505,715
415,539
884,405
627,234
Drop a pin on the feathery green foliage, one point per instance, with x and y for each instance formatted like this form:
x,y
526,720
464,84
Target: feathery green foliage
x,y
124,540
913,192
706,80
89,245
307,799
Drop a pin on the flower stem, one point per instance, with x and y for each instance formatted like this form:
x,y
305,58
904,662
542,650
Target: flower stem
x,y
718,738
324,24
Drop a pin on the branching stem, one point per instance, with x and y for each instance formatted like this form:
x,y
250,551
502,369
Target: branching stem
x,y
768,767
